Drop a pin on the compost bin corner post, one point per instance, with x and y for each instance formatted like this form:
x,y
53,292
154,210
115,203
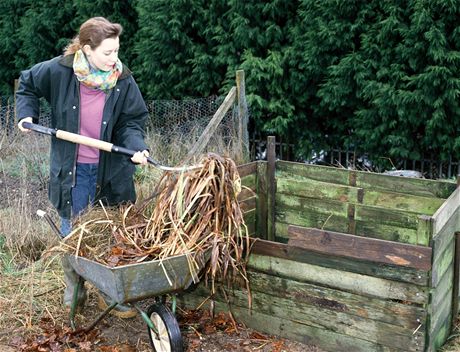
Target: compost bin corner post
x,y
271,168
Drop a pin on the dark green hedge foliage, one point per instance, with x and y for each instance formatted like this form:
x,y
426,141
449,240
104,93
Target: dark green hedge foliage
x,y
376,76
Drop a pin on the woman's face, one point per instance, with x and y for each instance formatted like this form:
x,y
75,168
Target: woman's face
x,y
105,55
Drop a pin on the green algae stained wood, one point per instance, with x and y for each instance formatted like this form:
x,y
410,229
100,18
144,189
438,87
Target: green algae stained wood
x,y
313,172
396,313
248,196
369,180
316,189
296,330
404,210
339,321
348,281
406,185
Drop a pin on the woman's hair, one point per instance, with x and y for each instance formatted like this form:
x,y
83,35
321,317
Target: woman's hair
x,y
92,33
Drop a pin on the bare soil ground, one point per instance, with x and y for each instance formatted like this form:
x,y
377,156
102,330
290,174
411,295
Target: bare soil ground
x,y
200,331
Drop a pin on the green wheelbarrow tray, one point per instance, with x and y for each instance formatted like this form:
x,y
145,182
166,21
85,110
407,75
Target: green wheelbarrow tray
x,y
134,282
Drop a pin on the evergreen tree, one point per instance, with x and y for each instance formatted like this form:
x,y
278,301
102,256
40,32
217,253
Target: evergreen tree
x,y
323,61
410,90
378,76
45,29
11,12
258,43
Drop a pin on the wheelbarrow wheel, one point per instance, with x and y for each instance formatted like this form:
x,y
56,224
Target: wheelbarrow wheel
x,y
168,337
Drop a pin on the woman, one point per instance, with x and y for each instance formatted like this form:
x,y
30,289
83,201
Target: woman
x,y
93,94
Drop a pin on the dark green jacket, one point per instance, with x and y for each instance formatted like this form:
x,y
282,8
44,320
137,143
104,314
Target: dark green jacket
x,y
122,124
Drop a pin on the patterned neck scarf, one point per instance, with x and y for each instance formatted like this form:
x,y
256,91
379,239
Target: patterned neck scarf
x,y
93,78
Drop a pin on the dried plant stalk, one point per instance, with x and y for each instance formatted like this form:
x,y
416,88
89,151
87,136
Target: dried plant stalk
x,y
194,212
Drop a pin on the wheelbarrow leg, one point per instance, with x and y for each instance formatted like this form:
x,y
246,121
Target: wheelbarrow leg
x,y
73,307
100,317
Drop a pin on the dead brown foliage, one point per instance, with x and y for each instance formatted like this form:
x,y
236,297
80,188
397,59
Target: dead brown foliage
x,y
194,213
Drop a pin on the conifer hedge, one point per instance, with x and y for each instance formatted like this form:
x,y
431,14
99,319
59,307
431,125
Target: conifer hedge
x,y
376,76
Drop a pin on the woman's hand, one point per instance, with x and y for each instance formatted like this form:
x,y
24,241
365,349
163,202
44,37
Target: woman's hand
x,y
140,157
26,119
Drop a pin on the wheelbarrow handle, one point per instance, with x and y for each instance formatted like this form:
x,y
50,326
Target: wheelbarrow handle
x,y
101,145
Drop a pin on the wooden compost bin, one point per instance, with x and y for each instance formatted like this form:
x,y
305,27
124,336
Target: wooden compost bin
x,y
346,260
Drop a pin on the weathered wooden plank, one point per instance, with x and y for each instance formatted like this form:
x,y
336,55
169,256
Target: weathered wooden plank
x,y
416,204
311,219
369,180
246,193
439,337
442,263
294,330
250,221
446,211
318,190
342,322
251,226
327,214
247,169
351,210
341,280
440,313
306,205
314,172
262,201
456,278
396,313
375,229
387,216
390,272
414,186
444,237
445,286
243,116
370,249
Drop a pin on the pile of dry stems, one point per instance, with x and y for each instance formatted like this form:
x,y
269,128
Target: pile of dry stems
x,y
195,213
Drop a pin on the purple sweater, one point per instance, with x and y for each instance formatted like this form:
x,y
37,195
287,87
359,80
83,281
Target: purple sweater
x,y
92,103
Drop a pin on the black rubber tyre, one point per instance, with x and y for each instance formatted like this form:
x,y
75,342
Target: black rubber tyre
x,y
169,338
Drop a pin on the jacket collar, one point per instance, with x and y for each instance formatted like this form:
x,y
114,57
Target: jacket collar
x,y
67,61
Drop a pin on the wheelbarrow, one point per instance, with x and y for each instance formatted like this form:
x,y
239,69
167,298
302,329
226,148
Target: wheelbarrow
x,y
131,283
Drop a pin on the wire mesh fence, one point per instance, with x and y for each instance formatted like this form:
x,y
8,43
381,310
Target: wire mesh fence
x,y
173,127
176,125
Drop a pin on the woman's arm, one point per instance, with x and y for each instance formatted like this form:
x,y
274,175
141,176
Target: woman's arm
x,y
34,83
